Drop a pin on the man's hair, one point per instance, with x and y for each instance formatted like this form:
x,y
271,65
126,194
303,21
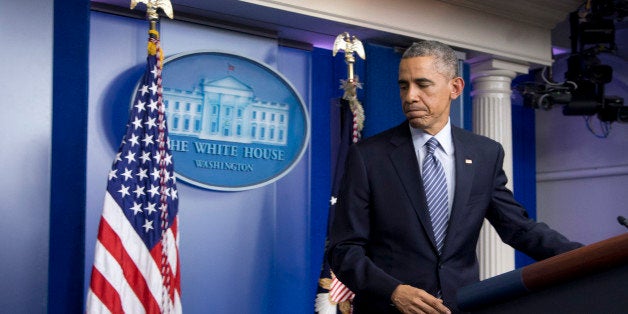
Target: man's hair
x,y
446,59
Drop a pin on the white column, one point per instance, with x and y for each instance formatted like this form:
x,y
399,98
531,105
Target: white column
x,y
492,117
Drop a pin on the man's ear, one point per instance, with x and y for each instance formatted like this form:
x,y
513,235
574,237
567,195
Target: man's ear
x,y
457,86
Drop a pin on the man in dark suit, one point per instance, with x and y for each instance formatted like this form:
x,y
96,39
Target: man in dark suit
x,y
403,243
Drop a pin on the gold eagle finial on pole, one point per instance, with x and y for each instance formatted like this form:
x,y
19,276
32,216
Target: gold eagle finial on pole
x,y
152,6
349,44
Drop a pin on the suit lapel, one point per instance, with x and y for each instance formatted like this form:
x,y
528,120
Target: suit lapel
x,y
465,171
404,159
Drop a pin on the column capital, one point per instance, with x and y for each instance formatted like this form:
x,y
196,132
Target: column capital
x,y
496,67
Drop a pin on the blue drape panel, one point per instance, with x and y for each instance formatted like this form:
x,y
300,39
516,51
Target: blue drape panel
x,y
382,106
68,156
524,160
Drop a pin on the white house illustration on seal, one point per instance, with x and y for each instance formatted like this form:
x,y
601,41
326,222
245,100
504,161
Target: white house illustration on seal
x,y
226,110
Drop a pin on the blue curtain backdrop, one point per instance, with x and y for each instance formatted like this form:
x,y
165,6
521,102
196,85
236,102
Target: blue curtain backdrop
x,y
524,160
68,156
382,105
324,89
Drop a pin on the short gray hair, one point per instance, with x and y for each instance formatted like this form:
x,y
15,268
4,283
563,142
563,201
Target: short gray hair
x,y
446,59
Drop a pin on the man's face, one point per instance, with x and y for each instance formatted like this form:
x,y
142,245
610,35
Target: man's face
x,y
426,94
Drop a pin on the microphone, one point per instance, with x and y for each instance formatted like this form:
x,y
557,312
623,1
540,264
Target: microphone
x,y
622,221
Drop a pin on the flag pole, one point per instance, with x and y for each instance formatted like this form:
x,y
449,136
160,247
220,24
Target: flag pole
x,y
151,9
152,15
332,295
350,45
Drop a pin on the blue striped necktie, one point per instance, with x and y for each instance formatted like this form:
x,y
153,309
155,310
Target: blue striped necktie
x,y
436,193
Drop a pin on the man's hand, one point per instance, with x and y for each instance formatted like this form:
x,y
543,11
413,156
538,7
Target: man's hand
x,y
409,299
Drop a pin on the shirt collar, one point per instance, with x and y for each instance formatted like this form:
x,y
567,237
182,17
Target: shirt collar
x,y
419,138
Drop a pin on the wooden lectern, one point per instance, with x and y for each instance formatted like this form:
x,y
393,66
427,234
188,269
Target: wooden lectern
x,y
591,279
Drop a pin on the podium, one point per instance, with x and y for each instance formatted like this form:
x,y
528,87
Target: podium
x,y
591,279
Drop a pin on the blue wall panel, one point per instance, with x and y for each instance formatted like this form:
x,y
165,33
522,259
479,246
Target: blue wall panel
x,y
382,105
324,88
68,162
524,160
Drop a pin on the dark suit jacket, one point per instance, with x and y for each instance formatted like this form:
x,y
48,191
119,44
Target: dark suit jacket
x,y
381,235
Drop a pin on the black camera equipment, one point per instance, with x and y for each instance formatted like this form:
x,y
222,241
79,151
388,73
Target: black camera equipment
x,y
592,30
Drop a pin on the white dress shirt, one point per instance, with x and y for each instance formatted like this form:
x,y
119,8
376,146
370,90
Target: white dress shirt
x,y
444,153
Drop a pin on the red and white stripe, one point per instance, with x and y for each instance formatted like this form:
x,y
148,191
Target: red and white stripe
x,y
338,292
126,276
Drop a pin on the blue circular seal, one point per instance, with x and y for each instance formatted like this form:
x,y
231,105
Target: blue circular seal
x,y
234,124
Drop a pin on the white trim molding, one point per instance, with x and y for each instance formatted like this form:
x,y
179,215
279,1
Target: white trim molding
x,y
577,174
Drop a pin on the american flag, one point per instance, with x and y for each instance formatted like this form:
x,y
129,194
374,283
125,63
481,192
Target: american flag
x,y
333,297
136,265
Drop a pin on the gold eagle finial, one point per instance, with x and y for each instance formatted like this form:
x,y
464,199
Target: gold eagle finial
x,y
349,44
153,5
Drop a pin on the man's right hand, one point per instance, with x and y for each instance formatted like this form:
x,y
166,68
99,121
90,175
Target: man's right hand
x,y
409,299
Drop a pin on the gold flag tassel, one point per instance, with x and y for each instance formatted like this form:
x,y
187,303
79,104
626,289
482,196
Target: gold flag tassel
x,y
153,44
154,49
